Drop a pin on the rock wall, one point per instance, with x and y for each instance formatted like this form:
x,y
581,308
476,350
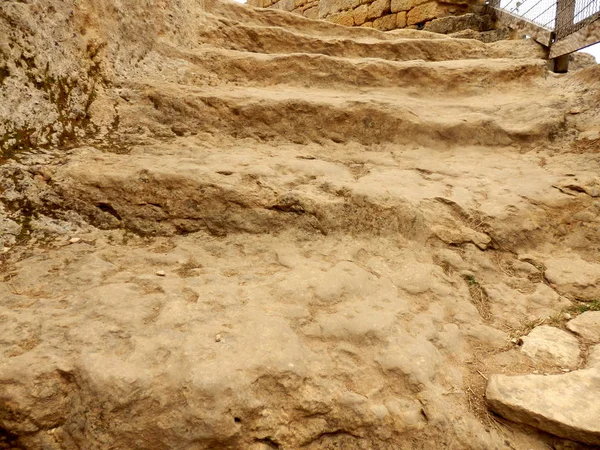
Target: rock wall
x,y
380,14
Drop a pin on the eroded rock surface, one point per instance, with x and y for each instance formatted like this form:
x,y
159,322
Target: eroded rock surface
x,y
574,276
565,405
553,346
234,228
587,325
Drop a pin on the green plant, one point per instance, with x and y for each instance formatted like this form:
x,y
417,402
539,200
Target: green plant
x,y
582,307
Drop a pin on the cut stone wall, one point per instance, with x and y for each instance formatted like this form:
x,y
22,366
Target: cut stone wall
x,y
381,14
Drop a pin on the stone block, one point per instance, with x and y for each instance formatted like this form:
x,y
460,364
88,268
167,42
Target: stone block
x,y
329,7
385,23
378,8
427,11
287,5
345,18
564,405
405,5
401,19
312,13
360,14
453,24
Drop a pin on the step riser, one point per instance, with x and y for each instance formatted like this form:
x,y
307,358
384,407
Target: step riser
x,y
299,121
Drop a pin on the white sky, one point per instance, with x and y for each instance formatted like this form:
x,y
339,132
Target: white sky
x,y
594,50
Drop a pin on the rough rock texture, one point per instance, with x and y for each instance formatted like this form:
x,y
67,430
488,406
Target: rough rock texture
x,y
553,346
422,13
587,325
566,405
453,24
574,276
229,228
593,358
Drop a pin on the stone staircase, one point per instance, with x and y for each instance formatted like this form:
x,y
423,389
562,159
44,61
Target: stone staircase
x,y
264,231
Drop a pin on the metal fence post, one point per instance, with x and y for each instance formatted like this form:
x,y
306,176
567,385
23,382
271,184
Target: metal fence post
x,y
565,14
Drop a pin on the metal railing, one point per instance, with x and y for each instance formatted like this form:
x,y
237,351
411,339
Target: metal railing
x,y
576,22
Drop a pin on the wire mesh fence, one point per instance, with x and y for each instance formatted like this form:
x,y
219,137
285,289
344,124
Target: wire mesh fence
x,y
564,17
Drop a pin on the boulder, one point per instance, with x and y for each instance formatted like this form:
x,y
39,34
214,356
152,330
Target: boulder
x,y
572,275
586,325
565,405
552,346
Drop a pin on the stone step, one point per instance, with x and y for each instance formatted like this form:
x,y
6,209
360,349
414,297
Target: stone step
x,y
274,32
323,71
367,117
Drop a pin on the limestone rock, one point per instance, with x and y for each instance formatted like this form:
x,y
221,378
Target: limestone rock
x,y
378,8
360,14
565,405
385,23
574,276
328,7
581,60
405,5
312,13
593,358
284,174
345,18
453,24
401,19
428,11
552,345
586,325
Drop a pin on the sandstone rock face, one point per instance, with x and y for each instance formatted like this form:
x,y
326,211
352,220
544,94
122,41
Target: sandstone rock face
x,y
565,405
385,23
378,8
428,11
552,345
593,358
453,24
375,13
574,276
263,231
586,325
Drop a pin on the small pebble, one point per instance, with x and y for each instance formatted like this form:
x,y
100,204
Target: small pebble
x,y
74,240
5,249
161,273
566,370
536,372
575,111
218,338
567,316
